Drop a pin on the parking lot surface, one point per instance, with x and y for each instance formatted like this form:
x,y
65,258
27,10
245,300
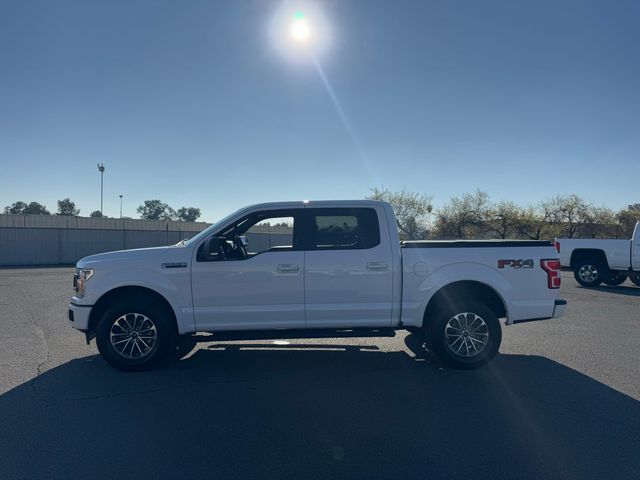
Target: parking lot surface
x,y
561,400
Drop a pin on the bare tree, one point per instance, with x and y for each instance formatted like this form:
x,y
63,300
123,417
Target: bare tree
x,y
600,222
464,217
503,218
569,212
412,211
627,220
536,222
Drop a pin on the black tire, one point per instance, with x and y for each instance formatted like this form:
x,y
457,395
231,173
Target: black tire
x,y
635,278
444,338
615,279
590,272
133,312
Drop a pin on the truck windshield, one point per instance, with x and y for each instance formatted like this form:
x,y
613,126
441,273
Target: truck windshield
x,y
212,228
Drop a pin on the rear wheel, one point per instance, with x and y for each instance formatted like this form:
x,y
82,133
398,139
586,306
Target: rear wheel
x,y
615,279
589,273
635,278
465,336
136,335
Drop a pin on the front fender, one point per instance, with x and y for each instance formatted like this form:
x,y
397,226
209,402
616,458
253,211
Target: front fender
x,y
173,285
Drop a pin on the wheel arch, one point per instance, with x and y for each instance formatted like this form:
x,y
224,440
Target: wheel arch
x,y
128,291
579,254
461,290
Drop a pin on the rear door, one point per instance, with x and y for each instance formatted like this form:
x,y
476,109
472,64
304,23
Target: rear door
x,y
348,271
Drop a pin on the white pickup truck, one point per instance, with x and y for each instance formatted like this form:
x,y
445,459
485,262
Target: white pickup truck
x,y
343,267
595,261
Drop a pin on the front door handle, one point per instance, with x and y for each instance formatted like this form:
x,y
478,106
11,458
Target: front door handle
x,y
288,268
377,266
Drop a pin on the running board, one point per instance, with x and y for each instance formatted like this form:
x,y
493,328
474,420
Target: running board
x,y
296,333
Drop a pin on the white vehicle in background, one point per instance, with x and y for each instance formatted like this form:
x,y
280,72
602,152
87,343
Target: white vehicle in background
x,y
596,261
342,267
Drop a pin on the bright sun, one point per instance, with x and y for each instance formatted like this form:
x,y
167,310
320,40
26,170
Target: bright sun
x,y
301,34
300,30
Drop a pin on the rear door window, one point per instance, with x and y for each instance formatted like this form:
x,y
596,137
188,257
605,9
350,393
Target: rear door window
x,y
342,228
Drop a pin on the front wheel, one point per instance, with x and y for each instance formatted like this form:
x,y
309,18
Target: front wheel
x,y
135,335
615,279
466,336
589,274
635,278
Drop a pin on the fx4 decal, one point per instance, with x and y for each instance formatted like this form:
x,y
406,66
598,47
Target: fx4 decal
x,y
528,263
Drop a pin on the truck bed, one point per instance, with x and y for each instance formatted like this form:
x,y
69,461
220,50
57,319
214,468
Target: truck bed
x,y
511,267
473,243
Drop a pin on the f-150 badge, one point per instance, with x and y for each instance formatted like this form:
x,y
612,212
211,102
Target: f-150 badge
x,y
528,263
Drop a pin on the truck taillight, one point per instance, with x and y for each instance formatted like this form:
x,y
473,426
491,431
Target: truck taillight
x,y
552,267
557,245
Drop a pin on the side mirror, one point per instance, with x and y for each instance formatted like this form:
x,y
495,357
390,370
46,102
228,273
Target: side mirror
x,y
212,249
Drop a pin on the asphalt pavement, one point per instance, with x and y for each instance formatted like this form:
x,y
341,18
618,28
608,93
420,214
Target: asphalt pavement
x,y
561,400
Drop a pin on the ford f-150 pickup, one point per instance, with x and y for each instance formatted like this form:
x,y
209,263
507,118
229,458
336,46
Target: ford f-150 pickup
x,y
343,266
595,261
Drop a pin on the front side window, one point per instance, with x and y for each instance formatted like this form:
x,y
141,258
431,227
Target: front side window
x,y
343,228
252,235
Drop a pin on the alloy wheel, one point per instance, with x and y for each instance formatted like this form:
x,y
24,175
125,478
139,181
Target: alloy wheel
x,y
466,334
133,336
588,273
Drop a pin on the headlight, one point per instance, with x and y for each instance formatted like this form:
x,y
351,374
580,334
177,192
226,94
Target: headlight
x,y
80,278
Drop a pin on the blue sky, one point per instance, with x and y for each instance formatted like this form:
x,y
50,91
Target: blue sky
x,y
189,102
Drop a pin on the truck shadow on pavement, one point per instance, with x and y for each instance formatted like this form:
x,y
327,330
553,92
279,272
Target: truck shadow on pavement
x,y
318,411
620,290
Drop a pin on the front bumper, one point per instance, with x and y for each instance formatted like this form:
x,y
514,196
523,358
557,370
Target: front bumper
x,y
79,316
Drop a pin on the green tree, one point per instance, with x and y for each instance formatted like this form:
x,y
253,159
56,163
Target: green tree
x,y
412,211
188,214
156,210
35,208
96,213
67,207
16,208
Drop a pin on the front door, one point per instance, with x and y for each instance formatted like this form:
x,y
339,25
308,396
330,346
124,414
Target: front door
x,y
260,287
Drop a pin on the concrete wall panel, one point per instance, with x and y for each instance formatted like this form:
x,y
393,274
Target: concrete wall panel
x,y
57,240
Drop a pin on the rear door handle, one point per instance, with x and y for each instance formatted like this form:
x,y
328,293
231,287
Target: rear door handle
x,y
288,268
377,266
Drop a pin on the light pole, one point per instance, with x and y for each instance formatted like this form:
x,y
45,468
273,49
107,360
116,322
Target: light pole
x,y
120,205
101,170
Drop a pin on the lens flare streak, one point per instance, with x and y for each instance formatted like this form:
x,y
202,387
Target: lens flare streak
x,y
342,115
